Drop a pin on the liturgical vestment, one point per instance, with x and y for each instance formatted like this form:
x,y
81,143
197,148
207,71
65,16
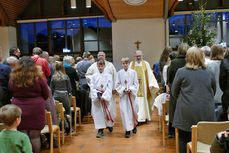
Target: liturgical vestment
x,y
128,106
145,97
102,82
109,68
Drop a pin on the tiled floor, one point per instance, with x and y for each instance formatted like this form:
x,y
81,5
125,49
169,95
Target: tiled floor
x,y
147,140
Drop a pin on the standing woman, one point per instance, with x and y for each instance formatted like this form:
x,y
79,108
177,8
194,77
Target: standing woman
x,y
224,84
214,67
194,88
162,62
29,92
177,63
61,86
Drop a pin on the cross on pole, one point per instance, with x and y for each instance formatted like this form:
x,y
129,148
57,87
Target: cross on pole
x,y
138,44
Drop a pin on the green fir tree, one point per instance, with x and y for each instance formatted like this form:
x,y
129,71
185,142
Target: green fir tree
x,y
201,33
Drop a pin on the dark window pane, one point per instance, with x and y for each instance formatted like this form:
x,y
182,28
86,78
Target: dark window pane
x,y
104,23
73,37
41,32
27,38
26,48
105,45
73,23
89,22
177,25
91,46
90,28
57,24
43,46
226,14
58,40
27,33
105,33
90,34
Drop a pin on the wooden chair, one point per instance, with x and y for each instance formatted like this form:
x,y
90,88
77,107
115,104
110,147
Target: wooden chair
x,y
177,138
165,119
61,109
203,135
2,126
75,110
51,129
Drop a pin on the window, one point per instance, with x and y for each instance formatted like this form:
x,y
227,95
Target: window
x,y
27,37
77,35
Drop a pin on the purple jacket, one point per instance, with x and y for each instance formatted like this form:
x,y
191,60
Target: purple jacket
x,y
32,102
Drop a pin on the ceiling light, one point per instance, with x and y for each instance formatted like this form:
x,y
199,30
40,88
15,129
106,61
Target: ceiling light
x,y
88,3
73,4
134,2
180,0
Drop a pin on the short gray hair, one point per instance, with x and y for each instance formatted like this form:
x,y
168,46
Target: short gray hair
x,y
68,59
206,50
37,51
101,52
11,60
44,54
139,51
86,54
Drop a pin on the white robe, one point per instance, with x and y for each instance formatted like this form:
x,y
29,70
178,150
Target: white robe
x,y
125,106
101,81
109,68
144,104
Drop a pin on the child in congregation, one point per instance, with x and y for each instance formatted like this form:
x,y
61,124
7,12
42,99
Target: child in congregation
x,y
101,95
11,140
127,88
61,86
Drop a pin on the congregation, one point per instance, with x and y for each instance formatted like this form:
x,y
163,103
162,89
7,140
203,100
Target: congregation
x,y
195,80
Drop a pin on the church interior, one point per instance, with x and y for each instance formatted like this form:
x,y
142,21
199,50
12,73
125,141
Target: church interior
x,y
118,29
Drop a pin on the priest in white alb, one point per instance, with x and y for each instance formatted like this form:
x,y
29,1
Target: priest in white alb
x,y
127,88
148,87
101,95
109,68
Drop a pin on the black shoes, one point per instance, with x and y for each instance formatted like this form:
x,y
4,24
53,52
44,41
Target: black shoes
x,y
110,129
100,133
134,130
127,135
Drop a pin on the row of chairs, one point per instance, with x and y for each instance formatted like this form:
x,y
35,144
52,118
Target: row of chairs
x,y
202,134
52,129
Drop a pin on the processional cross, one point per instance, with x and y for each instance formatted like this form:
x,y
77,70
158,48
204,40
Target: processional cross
x,y
138,44
101,86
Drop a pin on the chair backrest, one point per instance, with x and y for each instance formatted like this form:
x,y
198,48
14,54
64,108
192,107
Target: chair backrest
x,y
70,100
74,103
165,108
2,126
49,121
206,131
58,115
61,111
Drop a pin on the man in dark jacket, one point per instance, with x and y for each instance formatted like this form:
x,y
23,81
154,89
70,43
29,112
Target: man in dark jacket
x,y
224,85
177,63
14,51
5,71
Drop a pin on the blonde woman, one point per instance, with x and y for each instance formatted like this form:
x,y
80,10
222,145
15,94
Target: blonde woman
x,y
194,88
61,86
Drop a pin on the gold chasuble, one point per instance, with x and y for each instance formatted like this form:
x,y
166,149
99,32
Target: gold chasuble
x,y
145,97
140,70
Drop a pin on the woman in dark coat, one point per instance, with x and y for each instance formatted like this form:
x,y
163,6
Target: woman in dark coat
x,y
177,63
224,84
29,92
71,72
194,88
